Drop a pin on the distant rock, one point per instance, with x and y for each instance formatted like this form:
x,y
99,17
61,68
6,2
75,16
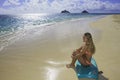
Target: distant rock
x,y
65,11
85,11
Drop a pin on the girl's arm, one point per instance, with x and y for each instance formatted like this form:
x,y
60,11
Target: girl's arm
x,y
79,49
82,51
76,52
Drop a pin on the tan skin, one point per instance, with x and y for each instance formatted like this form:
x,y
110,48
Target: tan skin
x,y
82,54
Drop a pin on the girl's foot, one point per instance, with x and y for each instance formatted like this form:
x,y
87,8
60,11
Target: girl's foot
x,y
70,66
100,72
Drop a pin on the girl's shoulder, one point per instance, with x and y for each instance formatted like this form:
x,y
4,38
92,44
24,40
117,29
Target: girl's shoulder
x,y
84,47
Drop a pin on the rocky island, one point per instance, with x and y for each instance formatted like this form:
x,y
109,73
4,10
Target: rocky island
x,y
65,11
85,12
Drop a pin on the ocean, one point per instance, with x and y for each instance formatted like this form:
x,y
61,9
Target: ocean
x,y
14,27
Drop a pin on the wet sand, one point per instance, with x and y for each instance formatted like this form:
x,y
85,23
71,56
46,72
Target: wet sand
x,y
43,56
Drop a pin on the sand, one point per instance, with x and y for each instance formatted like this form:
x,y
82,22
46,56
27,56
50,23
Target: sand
x,y
43,56
108,47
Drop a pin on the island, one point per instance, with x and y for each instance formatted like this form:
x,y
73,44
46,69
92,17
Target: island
x,y
86,12
65,11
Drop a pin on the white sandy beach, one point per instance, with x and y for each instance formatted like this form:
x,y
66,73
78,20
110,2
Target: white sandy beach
x,y
43,56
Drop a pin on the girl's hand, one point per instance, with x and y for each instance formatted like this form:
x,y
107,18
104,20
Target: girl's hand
x,y
77,51
75,56
74,53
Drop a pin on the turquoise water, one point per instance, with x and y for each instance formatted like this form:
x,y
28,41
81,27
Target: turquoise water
x,y
13,27
11,23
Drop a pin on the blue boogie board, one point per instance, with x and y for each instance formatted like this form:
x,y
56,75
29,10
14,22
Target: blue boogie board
x,y
87,72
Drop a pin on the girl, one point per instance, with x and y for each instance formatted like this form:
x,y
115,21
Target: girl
x,y
84,53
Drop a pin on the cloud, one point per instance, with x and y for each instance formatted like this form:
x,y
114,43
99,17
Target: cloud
x,y
96,4
6,3
11,2
112,6
45,6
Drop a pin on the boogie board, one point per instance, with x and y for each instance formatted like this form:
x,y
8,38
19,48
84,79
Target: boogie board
x,y
87,72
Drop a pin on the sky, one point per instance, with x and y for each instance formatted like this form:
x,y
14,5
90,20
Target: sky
x,y
56,6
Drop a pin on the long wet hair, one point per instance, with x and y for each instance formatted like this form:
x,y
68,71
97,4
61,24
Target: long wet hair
x,y
89,43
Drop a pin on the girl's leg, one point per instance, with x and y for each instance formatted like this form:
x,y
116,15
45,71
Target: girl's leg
x,y
72,64
82,60
73,60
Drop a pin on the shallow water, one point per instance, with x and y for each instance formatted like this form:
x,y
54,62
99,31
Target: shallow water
x,y
15,27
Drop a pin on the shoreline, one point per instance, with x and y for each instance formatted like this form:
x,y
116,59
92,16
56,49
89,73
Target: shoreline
x,y
44,56
18,35
38,55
